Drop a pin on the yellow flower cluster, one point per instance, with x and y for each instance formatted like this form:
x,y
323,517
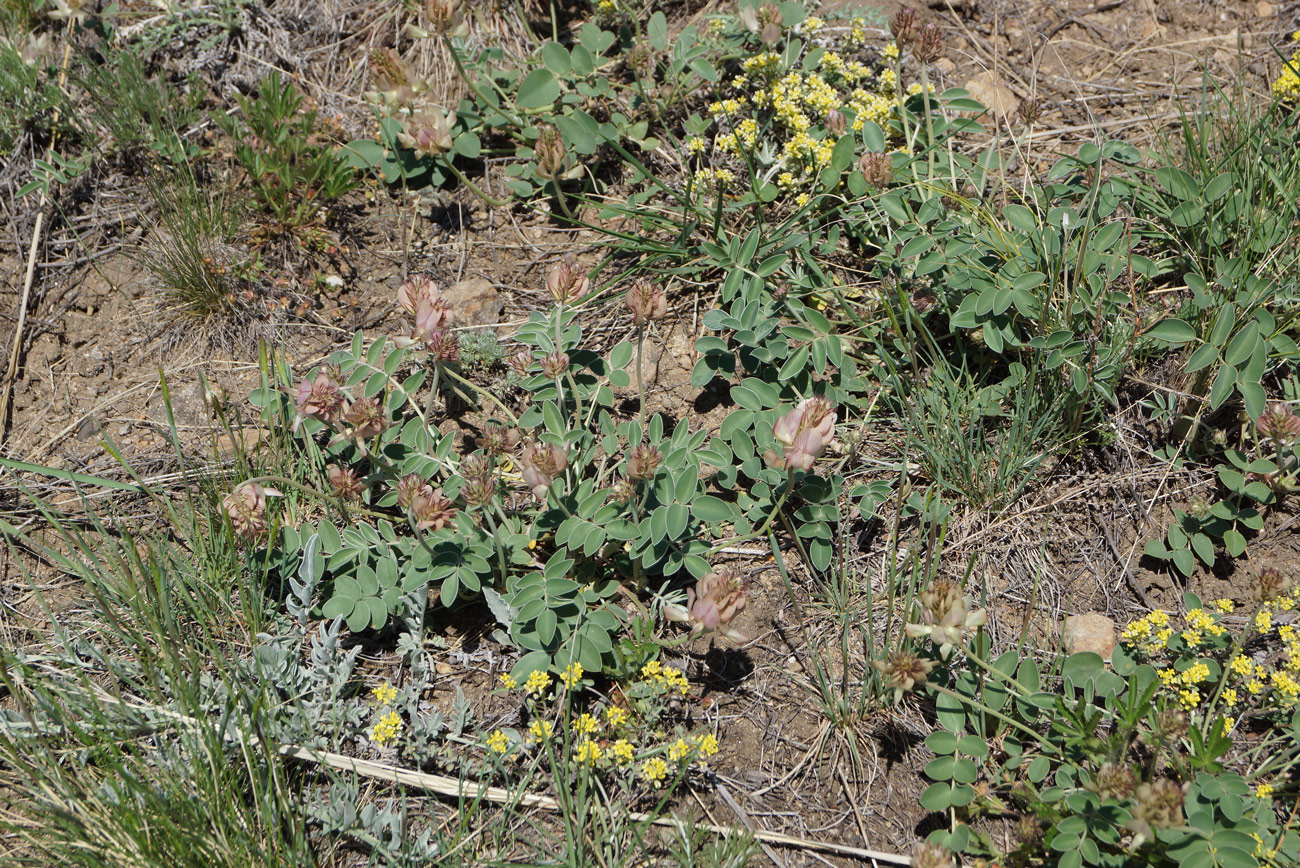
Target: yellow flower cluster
x,y
1184,684
1287,85
654,771
1149,633
857,32
810,25
571,677
386,729
665,676
709,178
498,742
1199,625
508,681
539,680
890,52
623,750
586,724
541,729
384,694
869,106
587,752
744,137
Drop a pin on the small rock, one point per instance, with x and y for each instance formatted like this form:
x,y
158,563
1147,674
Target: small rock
x,y
474,302
443,668
988,89
1092,631
1264,9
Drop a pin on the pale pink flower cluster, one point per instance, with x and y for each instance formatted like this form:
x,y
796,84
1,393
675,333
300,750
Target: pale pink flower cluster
x,y
945,615
540,464
804,433
713,603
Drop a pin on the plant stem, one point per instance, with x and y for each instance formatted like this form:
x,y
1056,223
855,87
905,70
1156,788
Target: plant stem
x,y
640,381
762,531
484,392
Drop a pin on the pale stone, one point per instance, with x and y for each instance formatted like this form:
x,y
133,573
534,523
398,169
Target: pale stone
x,y
474,302
1091,631
988,89
1264,9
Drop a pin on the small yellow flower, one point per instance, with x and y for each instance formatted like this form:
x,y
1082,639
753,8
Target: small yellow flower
x,y
696,145
1230,696
498,742
1263,791
386,729
1189,697
652,671
616,715
1225,606
538,682
587,752
606,7
384,694
679,751
1241,666
811,25
572,675
708,745
890,51
1255,686
585,724
622,750
655,771
1263,621
1228,721
508,681
541,729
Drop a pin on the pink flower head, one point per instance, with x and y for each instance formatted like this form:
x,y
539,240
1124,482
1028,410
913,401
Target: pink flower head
x,y
713,603
647,302
432,315
367,418
539,464
566,282
431,510
805,432
444,346
409,486
320,398
246,508
944,615
417,289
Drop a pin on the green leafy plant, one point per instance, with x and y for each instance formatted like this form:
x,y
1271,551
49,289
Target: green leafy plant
x,y
293,177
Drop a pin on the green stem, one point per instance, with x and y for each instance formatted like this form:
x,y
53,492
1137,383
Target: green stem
x,y
485,393
1043,744
496,538
762,531
473,188
640,381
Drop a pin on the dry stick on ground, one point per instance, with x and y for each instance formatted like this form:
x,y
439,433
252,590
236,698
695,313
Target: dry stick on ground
x,y
11,372
457,788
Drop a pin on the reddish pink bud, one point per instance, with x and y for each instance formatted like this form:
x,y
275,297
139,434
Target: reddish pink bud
x,y
647,301
431,510
246,508
566,283
805,432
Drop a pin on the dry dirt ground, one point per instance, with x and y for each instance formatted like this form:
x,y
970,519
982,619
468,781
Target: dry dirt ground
x,y
94,352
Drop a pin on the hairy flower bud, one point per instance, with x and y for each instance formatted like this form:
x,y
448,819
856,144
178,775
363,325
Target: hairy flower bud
x,y
929,44
246,508
1279,424
550,152
344,482
877,170
1269,584
904,671
555,365
903,26
367,418
1030,110
641,60
432,315
1113,781
444,346
567,283
805,432
836,123
520,362
497,440
643,462
408,487
479,490
540,464
925,855
647,301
